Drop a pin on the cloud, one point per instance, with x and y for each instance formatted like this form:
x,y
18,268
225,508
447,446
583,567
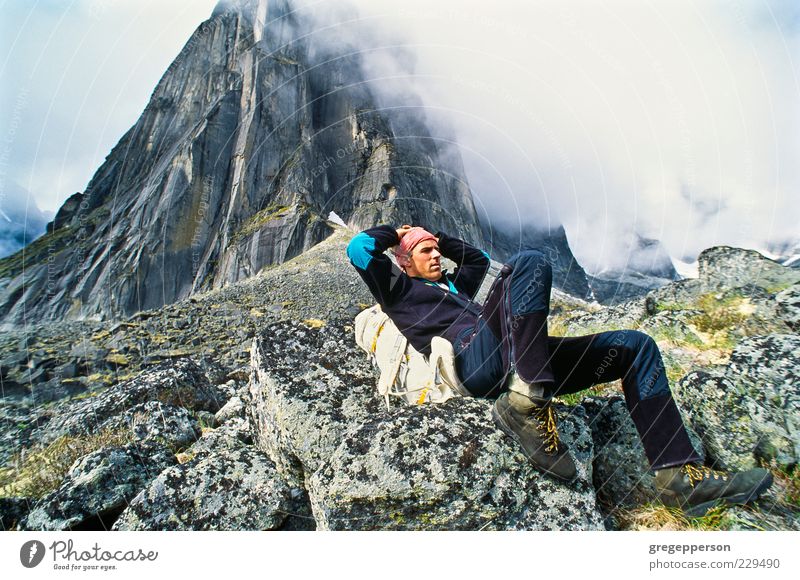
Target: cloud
x,y
75,77
21,221
675,120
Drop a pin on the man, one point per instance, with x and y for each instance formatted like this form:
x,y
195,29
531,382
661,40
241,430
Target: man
x,y
503,352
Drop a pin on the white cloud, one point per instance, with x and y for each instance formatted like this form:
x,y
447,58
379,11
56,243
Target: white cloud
x,y
75,77
679,119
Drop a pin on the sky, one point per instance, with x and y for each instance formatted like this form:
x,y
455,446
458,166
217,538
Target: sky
x,y
674,119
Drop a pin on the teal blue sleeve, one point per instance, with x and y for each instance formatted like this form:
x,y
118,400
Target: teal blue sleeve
x,y
360,250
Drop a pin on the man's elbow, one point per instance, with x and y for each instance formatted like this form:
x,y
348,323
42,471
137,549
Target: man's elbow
x,y
485,261
360,249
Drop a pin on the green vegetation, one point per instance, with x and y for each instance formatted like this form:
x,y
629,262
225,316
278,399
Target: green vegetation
x,y
675,335
780,286
557,327
788,479
671,306
35,252
721,314
118,359
675,369
656,516
572,399
39,471
270,213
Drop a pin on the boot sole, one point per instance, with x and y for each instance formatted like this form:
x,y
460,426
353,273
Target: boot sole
x,y
701,509
500,422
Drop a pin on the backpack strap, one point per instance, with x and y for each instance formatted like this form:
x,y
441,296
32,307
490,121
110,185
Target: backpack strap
x,y
443,362
389,372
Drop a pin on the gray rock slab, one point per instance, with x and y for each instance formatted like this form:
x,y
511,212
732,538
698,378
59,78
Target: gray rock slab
x,y
98,487
309,387
788,306
448,467
181,383
233,435
229,489
723,266
750,408
154,421
235,407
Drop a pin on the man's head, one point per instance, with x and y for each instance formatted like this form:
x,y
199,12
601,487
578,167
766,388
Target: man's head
x,y
418,254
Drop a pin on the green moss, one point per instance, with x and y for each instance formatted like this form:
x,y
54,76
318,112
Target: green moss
x,y
671,306
720,313
779,287
675,370
103,378
257,221
675,336
35,252
118,359
573,399
557,327
40,471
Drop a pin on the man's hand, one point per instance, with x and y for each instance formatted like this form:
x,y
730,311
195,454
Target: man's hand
x,y
402,230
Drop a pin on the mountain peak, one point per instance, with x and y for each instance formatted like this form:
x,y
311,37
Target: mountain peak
x,y
254,134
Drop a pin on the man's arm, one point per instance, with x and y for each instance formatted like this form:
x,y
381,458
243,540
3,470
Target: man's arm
x,y
472,263
366,252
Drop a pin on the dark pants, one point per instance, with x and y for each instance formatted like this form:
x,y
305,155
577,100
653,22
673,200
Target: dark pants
x,y
511,336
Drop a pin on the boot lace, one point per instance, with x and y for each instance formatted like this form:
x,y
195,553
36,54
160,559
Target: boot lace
x,y
699,473
546,419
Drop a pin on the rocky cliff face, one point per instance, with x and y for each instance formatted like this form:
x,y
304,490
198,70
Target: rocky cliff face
x,y
568,275
254,134
647,267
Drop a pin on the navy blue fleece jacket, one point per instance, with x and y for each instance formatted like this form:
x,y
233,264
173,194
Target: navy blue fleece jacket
x,y
419,308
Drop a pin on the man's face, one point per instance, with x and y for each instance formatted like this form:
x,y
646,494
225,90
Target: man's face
x,y
425,261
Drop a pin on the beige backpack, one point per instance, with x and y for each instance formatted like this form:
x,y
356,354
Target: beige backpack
x,y
405,372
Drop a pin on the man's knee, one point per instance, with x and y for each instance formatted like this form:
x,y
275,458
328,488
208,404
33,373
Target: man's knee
x,y
531,261
638,341
530,282
650,376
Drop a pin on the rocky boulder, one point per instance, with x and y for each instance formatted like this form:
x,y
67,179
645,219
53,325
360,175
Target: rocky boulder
x,y
232,435
729,271
749,409
447,467
228,489
788,306
179,384
723,266
308,387
366,467
98,487
154,421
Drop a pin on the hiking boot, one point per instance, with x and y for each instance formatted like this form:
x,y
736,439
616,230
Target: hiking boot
x,y
696,488
532,424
